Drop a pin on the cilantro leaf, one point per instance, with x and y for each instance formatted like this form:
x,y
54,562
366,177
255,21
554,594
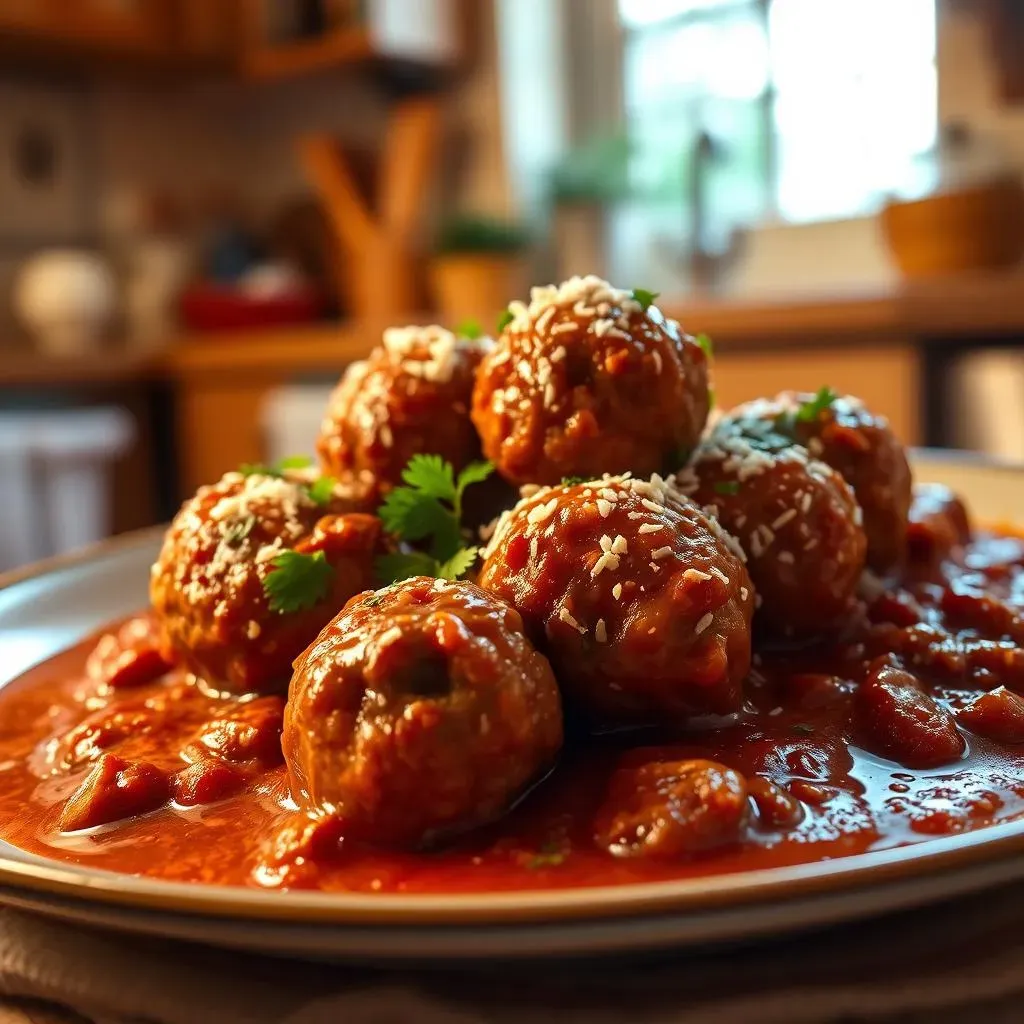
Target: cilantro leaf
x,y
474,473
706,345
469,329
403,564
276,469
810,410
431,475
321,490
459,563
429,507
505,319
297,581
727,487
644,297
410,513
238,530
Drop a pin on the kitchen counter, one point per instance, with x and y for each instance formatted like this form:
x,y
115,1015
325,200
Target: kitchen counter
x,y
889,346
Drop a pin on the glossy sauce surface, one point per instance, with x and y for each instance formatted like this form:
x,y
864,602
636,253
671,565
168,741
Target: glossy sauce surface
x,y
958,627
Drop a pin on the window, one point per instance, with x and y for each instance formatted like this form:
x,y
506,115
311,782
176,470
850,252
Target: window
x,y
812,109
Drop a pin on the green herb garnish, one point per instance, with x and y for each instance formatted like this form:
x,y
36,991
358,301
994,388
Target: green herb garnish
x,y
550,855
809,411
277,468
803,727
297,581
706,345
462,561
469,329
239,530
727,487
573,481
505,319
644,297
321,490
429,508
373,601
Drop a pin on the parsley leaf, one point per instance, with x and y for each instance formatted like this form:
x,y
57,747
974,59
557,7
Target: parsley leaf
x,y
459,563
403,564
727,487
431,476
644,297
297,581
573,481
474,473
429,506
803,727
809,411
238,530
373,601
706,345
505,319
469,329
277,468
321,490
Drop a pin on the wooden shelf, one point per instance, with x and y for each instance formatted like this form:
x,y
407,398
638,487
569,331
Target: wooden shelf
x,y
32,369
333,49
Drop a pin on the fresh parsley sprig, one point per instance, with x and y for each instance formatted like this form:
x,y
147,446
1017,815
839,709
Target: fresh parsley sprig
x,y
320,490
429,508
645,297
276,468
297,581
470,330
810,410
507,316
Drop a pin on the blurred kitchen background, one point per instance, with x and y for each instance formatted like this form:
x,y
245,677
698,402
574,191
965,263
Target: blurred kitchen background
x,y
207,209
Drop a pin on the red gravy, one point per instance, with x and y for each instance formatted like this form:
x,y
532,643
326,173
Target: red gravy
x,y
959,627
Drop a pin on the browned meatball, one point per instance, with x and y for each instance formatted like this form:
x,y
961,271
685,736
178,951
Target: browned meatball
x,y
636,596
938,525
207,584
672,809
858,444
585,380
411,395
798,522
420,710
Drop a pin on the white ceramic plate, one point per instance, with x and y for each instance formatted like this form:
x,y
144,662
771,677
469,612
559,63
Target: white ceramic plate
x,y
50,607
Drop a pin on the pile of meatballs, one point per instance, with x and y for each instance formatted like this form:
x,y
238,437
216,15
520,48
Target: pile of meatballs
x,y
623,583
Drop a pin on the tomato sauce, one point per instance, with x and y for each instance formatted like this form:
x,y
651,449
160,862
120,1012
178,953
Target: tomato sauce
x,y
957,625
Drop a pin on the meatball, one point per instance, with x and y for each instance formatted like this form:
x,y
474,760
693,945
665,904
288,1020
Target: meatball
x,y
207,586
667,810
859,445
411,395
585,380
634,593
938,525
798,522
419,711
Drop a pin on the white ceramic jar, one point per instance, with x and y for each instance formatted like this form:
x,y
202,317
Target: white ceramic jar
x,y
66,300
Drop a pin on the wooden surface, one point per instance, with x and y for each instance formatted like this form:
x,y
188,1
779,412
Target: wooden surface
x,y
965,308
888,377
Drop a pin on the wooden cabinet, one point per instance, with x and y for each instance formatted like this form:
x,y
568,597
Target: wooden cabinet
x,y
147,33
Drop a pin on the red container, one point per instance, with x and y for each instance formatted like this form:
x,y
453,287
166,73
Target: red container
x,y
216,308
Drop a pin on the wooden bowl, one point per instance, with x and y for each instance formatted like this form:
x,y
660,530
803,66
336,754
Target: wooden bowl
x,y
973,229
